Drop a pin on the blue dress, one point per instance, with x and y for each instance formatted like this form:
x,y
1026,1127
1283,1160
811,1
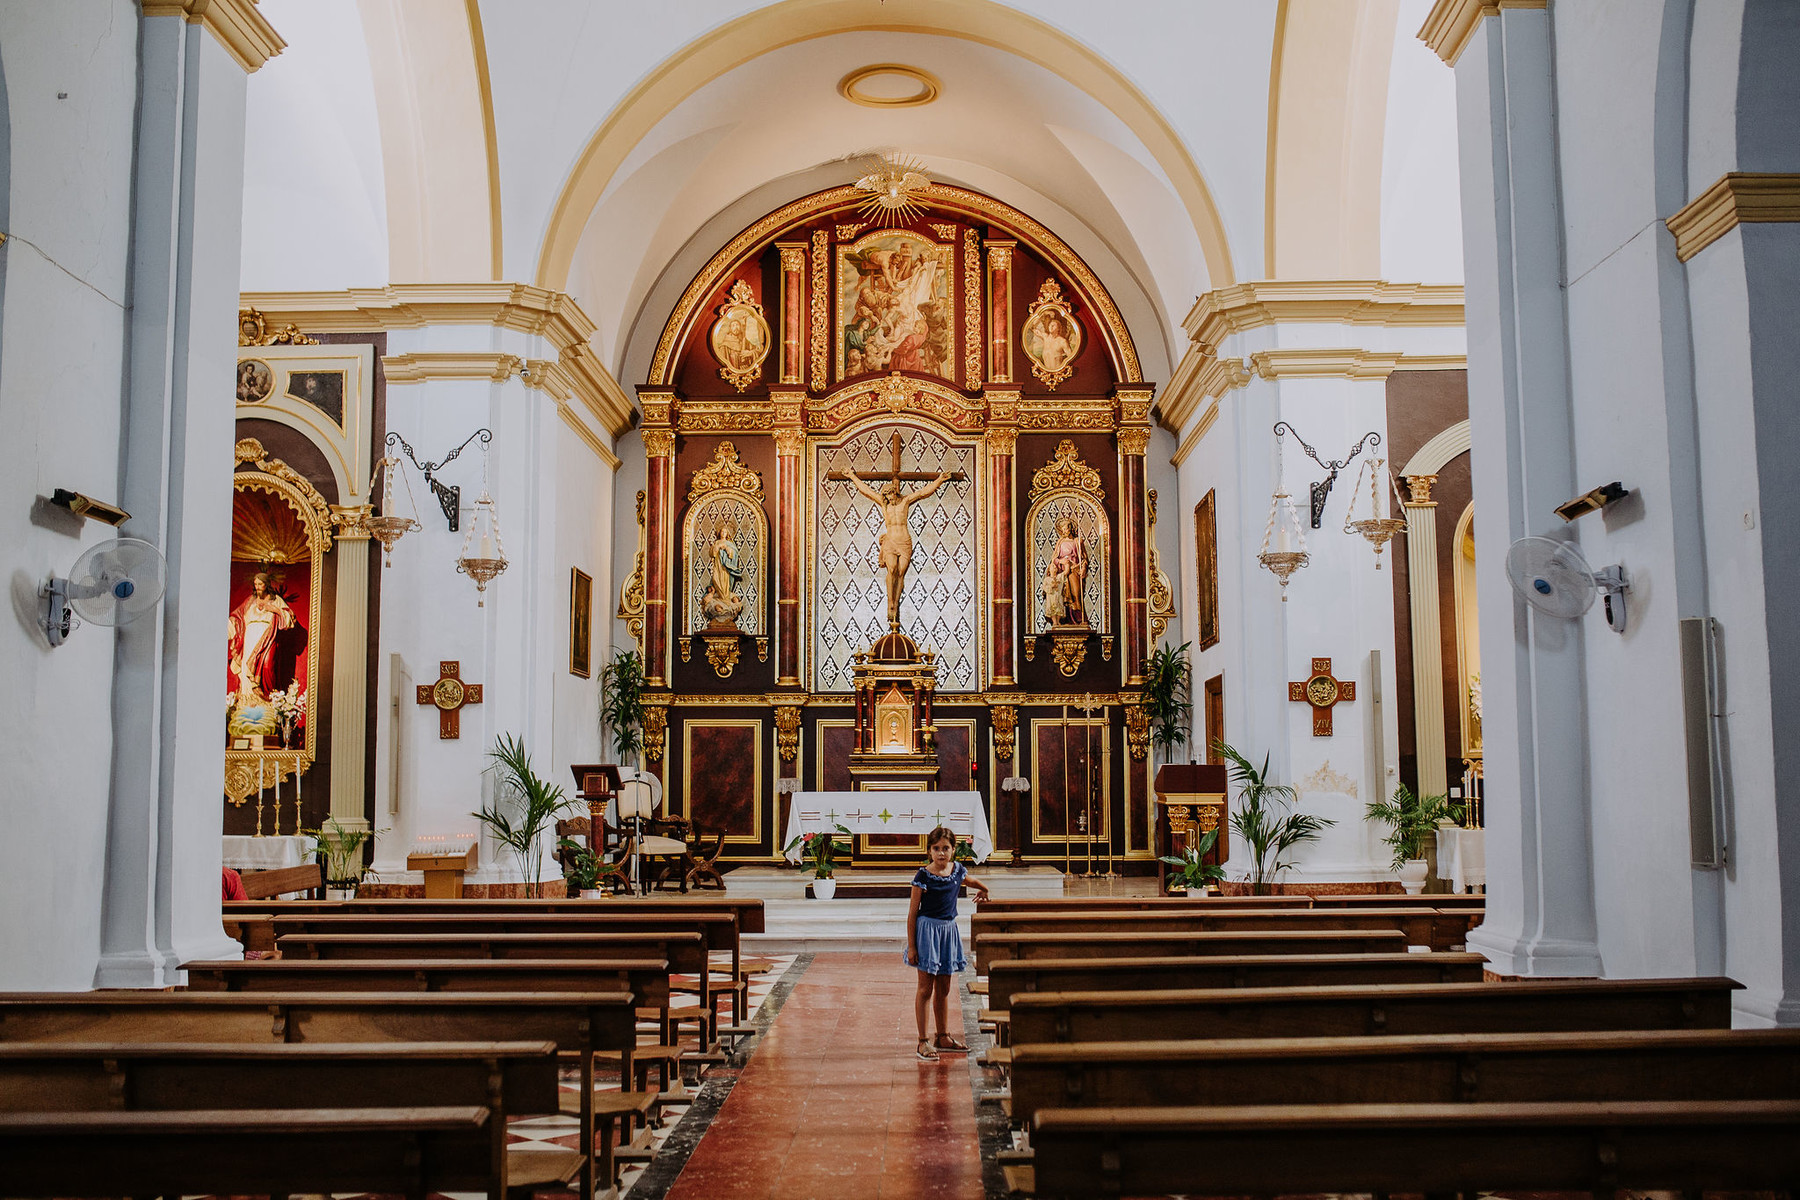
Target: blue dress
x,y
939,940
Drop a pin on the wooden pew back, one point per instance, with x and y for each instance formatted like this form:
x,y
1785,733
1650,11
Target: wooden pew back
x,y
992,948
266,885
1436,929
647,980
749,912
1719,1064
1007,979
684,951
1393,1009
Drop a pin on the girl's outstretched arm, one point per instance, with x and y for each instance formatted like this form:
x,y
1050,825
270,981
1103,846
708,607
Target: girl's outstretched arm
x,y
982,888
912,927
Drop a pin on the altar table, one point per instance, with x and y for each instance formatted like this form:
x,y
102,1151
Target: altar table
x,y
1462,857
244,853
890,812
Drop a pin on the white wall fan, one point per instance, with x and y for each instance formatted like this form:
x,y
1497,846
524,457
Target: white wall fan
x,y
1555,579
111,584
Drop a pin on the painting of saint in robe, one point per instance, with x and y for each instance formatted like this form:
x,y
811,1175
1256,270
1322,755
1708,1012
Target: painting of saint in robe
x,y
894,306
1066,577
264,644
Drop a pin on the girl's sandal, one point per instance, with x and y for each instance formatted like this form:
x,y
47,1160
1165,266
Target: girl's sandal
x,y
946,1042
925,1052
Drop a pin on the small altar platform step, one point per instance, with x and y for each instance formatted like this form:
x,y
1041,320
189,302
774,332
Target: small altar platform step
x,y
852,889
778,883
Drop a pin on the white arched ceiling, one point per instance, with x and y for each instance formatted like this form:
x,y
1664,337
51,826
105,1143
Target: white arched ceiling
x,y
1421,193
1002,125
315,207
432,97
1328,100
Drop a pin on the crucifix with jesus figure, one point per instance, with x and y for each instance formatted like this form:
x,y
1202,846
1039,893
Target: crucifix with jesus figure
x,y
896,546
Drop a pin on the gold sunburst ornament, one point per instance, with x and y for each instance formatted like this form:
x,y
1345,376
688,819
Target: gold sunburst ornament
x,y
893,185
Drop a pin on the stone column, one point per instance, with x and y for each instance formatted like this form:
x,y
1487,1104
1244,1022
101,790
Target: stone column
x,y
793,311
1427,634
1134,528
1002,441
350,721
1000,311
790,441
659,517
160,903
1540,913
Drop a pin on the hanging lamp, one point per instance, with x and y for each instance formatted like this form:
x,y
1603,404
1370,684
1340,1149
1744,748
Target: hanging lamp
x,y
1375,527
390,527
483,557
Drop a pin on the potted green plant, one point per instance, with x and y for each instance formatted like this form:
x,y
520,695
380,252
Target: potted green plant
x,y
818,853
581,868
1266,819
1192,874
340,852
524,805
622,703
1166,695
1410,820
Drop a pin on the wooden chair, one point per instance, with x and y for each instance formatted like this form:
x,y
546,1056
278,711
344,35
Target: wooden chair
x,y
666,849
704,859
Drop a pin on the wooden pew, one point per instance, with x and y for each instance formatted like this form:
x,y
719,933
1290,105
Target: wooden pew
x,y
992,948
581,1024
1454,1068
268,885
1393,1009
749,912
1445,901
1436,929
646,979
1689,1146
509,1079
1007,979
720,930
413,1151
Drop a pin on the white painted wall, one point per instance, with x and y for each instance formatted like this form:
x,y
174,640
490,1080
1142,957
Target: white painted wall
x,y
62,343
1421,208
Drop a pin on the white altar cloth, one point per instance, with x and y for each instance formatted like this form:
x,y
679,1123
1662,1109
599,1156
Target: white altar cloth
x,y
890,812
1462,857
245,853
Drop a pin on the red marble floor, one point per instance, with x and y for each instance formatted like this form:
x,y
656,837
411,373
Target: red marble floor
x,y
834,1104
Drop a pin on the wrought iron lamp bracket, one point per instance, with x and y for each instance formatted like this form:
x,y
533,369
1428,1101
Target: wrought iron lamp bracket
x,y
449,496
1319,491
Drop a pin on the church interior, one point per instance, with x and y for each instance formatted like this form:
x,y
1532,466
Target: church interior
x,y
1272,507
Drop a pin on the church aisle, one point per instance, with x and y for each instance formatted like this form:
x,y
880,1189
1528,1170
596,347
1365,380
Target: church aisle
x,y
834,1104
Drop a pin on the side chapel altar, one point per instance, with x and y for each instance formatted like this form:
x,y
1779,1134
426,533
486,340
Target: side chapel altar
x,y
895,523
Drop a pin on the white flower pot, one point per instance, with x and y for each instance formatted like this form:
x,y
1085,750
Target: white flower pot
x,y
824,889
591,893
1412,875
334,891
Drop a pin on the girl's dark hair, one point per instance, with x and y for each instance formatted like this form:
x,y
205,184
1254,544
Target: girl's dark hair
x,y
943,833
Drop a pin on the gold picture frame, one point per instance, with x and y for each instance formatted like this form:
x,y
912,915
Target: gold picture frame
x,y
581,623
1206,565
739,339
1051,336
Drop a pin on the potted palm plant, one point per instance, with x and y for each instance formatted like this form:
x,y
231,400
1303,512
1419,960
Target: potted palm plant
x,y
622,702
818,854
581,868
524,805
1411,819
1166,695
1192,874
1266,818
341,850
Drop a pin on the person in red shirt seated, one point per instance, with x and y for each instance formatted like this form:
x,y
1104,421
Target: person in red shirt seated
x,y
231,885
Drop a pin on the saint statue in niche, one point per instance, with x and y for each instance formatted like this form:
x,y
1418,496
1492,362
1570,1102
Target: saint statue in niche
x,y
1066,577
896,545
721,603
256,627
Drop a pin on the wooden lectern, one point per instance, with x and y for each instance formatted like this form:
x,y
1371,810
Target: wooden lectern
x,y
444,872
597,783
1190,800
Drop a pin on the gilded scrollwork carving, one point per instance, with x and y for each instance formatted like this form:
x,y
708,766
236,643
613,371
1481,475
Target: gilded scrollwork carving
x,y
787,731
1137,731
631,592
659,443
1066,470
1051,336
739,338
971,309
1162,592
1004,440
790,442
253,330
352,521
725,472
718,418
1134,441
821,268
656,729
1005,718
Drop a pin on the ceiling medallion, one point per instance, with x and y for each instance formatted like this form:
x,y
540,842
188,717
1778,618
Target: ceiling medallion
x,y
889,85
893,184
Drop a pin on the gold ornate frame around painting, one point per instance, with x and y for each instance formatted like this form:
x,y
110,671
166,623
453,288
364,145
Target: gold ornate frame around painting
x,y
244,769
739,338
1051,336
1066,487
895,252
581,623
1206,566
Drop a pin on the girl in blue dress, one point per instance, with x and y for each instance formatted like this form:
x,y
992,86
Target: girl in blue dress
x,y
933,942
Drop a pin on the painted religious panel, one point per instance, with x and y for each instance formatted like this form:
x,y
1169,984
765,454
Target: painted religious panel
x,y
1052,336
739,337
268,658
896,305
1206,561
940,602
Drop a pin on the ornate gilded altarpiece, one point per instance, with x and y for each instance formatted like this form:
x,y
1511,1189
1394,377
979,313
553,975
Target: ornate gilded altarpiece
x,y
975,337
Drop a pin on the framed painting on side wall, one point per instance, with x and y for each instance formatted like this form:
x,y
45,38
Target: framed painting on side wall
x,y
1206,561
581,622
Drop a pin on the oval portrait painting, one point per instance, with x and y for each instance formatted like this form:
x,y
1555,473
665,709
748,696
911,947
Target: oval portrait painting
x,y
1051,340
739,338
254,381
